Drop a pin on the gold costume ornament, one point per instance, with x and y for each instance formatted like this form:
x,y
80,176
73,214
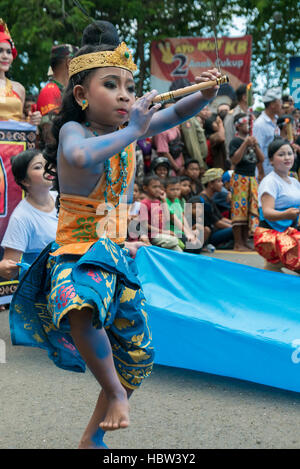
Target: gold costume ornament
x,y
120,57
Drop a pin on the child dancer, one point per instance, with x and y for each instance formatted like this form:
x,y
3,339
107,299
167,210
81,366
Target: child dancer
x,y
82,297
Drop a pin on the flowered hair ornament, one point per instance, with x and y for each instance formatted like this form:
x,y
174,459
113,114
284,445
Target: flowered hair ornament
x,y
120,57
6,37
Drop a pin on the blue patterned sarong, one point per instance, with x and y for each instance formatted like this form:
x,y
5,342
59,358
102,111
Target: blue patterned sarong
x,y
103,279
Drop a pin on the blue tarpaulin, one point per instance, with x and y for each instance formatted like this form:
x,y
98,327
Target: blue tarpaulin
x,y
221,317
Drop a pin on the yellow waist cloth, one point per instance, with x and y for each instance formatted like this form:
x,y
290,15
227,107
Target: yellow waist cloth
x,y
83,220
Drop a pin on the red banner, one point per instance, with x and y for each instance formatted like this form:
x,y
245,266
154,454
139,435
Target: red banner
x,y
187,57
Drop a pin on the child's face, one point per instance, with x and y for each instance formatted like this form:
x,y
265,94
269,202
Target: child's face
x,y
193,171
154,189
173,191
136,192
161,171
217,185
185,187
110,94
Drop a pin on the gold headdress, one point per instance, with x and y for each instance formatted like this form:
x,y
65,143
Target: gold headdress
x,y
120,57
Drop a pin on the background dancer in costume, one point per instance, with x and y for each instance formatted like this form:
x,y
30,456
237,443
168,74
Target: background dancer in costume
x,y
12,93
95,310
277,238
33,223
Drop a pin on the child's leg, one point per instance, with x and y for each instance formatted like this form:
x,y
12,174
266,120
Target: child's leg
x,y
93,434
94,347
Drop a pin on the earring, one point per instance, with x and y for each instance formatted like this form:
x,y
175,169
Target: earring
x,y
84,104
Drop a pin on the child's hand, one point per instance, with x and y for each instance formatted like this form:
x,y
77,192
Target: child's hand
x,y
163,196
213,74
140,114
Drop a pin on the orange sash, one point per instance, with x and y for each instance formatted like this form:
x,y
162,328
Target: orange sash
x,y
83,220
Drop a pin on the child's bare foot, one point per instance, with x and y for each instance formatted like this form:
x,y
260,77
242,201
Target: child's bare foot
x,y
117,415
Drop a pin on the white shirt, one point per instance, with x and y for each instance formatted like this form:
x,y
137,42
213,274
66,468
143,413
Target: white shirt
x,y
264,130
286,195
30,230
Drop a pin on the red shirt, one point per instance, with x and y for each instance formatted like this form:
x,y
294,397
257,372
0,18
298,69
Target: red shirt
x,y
153,214
49,99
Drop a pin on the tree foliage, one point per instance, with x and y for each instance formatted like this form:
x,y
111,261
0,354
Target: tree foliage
x,y
36,25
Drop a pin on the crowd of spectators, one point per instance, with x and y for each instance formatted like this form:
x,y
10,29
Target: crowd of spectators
x,y
196,185
213,162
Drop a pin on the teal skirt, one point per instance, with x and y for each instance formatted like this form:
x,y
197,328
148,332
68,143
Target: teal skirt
x,y
105,280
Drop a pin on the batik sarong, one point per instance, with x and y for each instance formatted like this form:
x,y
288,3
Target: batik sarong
x,y
103,279
244,201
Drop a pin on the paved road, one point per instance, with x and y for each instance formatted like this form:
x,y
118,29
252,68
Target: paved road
x,y
45,407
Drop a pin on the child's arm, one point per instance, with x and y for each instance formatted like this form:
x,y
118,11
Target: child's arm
x,y
83,152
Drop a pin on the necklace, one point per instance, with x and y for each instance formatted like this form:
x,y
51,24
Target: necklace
x,y
123,164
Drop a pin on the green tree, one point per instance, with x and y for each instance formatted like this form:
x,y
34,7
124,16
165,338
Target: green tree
x,y
275,28
36,25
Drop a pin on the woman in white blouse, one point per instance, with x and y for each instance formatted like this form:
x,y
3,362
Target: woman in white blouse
x,y
277,238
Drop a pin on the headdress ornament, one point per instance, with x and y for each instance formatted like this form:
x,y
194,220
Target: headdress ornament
x,y
120,57
6,37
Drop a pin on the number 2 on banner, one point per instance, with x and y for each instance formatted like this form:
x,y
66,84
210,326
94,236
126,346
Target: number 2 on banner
x,y
179,70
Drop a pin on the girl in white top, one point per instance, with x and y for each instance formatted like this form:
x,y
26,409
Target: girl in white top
x,y
33,223
277,236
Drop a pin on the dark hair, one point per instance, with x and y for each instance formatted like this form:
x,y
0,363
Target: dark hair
x,y
171,180
208,125
188,162
20,163
100,32
274,146
70,109
240,91
185,178
149,178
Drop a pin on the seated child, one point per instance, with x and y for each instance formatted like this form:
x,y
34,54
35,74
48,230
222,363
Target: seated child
x,y
221,229
133,221
196,214
154,214
193,170
186,189
223,198
178,223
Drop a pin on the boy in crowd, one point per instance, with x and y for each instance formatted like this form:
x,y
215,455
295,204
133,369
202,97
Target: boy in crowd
x,y
193,171
185,188
221,229
154,215
178,223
